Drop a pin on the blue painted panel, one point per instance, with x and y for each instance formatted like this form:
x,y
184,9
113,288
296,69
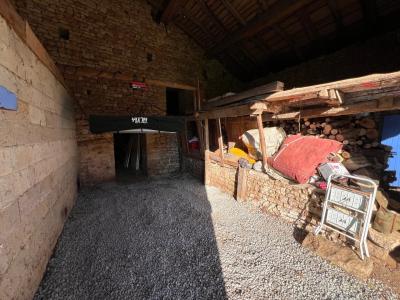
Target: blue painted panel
x,y
391,137
8,100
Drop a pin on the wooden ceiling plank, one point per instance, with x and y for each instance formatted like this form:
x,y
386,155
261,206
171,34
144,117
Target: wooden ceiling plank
x,y
211,15
171,10
276,12
234,12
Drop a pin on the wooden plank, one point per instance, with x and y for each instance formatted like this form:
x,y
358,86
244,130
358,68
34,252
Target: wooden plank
x,y
237,111
14,20
206,153
220,139
120,75
260,90
262,140
369,82
170,84
383,104
241,188
199,126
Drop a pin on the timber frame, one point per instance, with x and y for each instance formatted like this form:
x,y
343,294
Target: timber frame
x,y
372,93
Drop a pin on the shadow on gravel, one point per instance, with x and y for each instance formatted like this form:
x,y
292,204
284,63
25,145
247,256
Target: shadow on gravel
x,y
148,240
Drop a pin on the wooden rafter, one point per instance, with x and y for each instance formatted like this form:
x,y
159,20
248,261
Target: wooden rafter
x,y
279,10
171,10
308,26
211,15
234,12
337,16
289,41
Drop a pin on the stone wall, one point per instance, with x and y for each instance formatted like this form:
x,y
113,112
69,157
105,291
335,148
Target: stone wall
x,y
38,158
162,154
296,203
193,166
110,43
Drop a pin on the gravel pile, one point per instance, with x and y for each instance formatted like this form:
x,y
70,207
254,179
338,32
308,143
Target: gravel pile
x,y
173,239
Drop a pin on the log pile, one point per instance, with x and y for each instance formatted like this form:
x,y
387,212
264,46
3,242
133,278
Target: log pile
x,y
363,153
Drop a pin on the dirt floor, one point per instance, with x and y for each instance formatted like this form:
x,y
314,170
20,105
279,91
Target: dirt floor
x,y
176,239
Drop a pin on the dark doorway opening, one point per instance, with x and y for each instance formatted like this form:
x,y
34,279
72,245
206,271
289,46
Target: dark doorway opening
x,y
179,102
130,155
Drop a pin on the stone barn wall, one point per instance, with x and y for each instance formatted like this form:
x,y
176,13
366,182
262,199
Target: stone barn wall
x,y
100,47
38,158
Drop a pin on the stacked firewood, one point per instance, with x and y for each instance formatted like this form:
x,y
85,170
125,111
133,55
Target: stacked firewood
x,y
363,153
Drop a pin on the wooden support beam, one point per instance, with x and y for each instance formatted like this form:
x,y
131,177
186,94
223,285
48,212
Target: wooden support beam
x,y
236,111
206,9
383,104
171,10
260,90
206,153
220,140
199,125
277,11
262,141
241,188
337,16
234,12
206,135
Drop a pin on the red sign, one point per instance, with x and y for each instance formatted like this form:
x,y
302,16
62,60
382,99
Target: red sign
x,y
138,85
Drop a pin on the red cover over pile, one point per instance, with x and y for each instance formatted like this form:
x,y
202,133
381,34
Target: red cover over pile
x,y
299,156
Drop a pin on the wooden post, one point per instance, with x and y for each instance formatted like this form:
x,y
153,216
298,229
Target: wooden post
x,y
241,189
199,125
185,139
262,140
220,140
206,153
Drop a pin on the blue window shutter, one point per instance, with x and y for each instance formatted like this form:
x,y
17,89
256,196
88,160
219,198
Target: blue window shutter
x,y
391,137
8,100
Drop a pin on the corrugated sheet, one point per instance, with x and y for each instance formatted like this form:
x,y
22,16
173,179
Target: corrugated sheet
x,y
391,137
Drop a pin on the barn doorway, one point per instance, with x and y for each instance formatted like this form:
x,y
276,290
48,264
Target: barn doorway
x,y
130,156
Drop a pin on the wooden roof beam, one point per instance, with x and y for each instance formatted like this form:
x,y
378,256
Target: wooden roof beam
x,y
211,15
234,12
276,12
235,111
171,10
337,16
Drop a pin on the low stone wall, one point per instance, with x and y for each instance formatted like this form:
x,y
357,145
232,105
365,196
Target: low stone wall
x,y
300,204
193,166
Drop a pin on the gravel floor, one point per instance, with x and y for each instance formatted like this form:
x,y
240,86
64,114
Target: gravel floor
x,y
173,239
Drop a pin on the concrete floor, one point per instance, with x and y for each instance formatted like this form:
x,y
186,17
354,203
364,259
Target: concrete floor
x,y
176,239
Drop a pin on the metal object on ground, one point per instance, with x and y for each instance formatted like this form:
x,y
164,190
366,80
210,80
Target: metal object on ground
x,y
348,211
